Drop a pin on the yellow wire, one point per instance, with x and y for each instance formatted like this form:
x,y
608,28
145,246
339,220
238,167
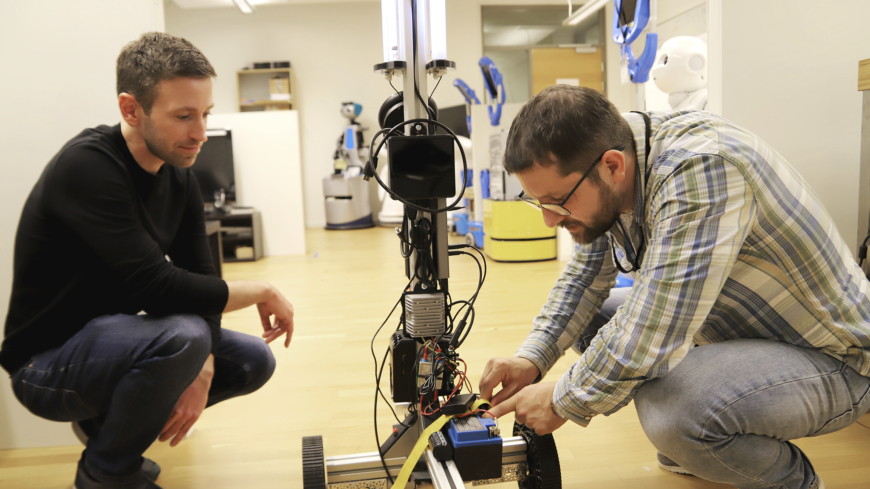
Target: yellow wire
x,y
423,442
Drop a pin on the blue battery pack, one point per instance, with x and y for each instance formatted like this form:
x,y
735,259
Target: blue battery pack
x,y
476,447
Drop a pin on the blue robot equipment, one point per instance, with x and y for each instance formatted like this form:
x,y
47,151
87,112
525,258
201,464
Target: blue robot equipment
x,y
494,85
470,99
628,24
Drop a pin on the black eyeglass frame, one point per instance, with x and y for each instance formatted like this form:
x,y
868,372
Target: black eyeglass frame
x,y
552,206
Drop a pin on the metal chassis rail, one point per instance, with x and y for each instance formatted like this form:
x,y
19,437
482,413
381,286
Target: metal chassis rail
x,y
364,470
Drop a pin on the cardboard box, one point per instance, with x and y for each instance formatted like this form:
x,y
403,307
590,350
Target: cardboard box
x,y
279,85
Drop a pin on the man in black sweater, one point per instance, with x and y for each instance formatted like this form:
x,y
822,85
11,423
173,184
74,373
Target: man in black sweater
x,y
115,226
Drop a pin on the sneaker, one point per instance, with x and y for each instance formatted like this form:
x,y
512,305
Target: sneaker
x,y
90,478
150,469
667,464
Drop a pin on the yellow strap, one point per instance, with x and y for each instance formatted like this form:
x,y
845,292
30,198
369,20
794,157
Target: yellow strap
x,y
423,442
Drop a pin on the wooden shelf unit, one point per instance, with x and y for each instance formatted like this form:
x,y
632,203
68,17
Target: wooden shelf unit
x,y
253,89
241,228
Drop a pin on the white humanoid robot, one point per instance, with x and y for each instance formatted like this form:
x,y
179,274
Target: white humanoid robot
x,y
346,193
681,72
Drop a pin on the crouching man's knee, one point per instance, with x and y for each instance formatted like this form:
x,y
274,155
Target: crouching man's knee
x,y
185,343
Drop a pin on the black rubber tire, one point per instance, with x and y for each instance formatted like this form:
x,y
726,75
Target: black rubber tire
x,y
313,463
542,459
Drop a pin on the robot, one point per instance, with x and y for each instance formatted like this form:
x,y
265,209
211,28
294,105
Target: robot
x,y
494,85
346,193
630,17
470,99
443,439
681,72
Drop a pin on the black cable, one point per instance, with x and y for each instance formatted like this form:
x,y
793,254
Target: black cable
x,y
453,205
862,251
377,439
459,337
436,86
378,385
391,84
377,377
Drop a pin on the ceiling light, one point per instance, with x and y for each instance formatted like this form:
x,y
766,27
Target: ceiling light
x,y
244,6
584,12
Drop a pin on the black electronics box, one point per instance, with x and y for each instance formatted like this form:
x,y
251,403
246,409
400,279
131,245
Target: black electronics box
x,y
262,65
280,64
403,357
422,167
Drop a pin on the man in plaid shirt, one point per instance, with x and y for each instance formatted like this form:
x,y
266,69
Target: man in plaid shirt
x,y
748,324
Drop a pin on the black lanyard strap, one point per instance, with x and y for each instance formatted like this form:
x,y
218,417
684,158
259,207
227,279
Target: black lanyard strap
x,y
630,253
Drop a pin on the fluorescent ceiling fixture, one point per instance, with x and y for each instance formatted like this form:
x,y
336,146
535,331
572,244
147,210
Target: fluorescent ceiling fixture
x,y
244,6
584,12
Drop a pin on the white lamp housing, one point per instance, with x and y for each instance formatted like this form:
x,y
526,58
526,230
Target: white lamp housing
x,y
437,29
391,17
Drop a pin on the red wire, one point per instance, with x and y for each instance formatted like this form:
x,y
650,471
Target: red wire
x,y
464,379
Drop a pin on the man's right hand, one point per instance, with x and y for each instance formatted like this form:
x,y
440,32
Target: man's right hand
x,y
512,373
276,305
269,303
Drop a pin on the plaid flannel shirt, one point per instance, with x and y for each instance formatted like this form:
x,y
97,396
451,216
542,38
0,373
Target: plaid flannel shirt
x,y
737,245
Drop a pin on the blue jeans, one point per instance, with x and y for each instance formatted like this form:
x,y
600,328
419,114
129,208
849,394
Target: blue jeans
x,y
128,372
728,410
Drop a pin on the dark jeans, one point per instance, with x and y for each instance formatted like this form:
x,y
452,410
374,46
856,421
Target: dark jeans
x,y
128,372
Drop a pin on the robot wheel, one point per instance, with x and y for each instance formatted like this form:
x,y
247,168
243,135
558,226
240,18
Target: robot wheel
x,y
313,463
542,459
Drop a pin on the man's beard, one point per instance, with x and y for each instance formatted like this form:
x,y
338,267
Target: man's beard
x,y
601,223
161,149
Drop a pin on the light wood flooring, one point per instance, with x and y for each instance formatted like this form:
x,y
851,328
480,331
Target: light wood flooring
x,y
342,290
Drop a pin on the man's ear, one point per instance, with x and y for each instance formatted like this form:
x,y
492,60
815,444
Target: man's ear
x,y
131,111
614,161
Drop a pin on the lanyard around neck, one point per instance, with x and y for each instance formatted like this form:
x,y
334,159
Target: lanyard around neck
x,y
630,252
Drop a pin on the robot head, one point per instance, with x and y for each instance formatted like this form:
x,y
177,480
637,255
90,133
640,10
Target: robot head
x,y
681,65
350,110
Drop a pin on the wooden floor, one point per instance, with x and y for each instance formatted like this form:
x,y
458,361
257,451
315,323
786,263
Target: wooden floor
x,y
342,290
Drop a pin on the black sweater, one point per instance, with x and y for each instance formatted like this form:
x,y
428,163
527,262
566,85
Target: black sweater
x,y
93,240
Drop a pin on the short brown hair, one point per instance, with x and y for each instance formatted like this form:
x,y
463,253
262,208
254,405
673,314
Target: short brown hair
x,y
158,56
565,126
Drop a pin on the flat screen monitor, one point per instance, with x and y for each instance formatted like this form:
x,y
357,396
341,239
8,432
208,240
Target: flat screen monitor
x,y
454,118
214,166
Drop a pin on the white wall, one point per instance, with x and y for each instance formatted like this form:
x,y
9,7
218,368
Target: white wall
x,y
59,62
268,169
333,47
789,73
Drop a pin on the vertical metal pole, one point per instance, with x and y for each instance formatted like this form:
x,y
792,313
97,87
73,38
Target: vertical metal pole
x,y
415,76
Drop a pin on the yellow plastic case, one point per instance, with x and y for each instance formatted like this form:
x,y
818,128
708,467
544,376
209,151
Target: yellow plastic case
x,y
515,231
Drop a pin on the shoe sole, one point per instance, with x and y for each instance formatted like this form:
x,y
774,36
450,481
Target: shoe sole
x,y
675,469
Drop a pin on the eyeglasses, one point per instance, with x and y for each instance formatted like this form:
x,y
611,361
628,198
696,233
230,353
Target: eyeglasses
x,y
560,207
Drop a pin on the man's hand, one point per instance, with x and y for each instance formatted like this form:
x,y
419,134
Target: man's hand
x,y
512,373
269,301
189,406
534,408
276,305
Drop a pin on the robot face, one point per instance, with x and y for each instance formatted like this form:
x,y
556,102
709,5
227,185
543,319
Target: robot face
x,y
681,65
350,109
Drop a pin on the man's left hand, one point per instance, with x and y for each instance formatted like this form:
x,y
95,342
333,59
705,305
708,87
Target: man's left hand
x,y
189,406
534,408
